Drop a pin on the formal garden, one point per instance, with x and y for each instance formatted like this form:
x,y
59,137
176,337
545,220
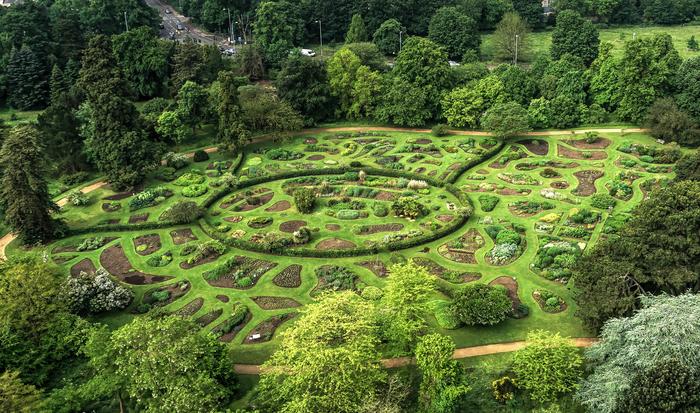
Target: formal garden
x,y
240,243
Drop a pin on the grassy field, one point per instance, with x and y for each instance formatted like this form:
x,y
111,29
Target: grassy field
x,y
13,117
540,42
534,182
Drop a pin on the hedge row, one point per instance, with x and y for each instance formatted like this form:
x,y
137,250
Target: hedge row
x,y
474,162
120,227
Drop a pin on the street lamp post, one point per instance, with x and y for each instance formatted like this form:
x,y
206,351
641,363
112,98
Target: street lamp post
x,y
230,28
400,40
515,60
126,22
320,34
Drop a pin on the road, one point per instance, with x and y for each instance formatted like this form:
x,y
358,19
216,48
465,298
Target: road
x,y
171,20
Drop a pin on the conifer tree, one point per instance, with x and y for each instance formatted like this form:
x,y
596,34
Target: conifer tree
x,y
57,84
24,193
232,131
357,32
26,80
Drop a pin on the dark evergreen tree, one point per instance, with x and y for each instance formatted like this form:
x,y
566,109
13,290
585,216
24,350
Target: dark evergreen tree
x,y
303,82
57,84
26,80
357,32
60,130
531,11
24,193
455,31
232,132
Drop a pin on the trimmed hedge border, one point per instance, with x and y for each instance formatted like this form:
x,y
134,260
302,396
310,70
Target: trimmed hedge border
x,y
474,162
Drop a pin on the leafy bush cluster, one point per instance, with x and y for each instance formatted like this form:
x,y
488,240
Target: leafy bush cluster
x,y
481,304
190,178
555,258
206,250
160,260
200,156
408,207
380,210
532,207
507,244
182,212
335,278
90,244
238,315
194,191
488,202
148,198
279,154
96,293
549,301
259,222
305,200
603,201
78,198
583,216
361,192
652,154
175,160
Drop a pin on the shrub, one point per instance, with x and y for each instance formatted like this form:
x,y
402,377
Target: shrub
x,y
279,154
304,200
347,214
75,179
302,236
147,198
160,295
502,253
336,278
78,198
380,210
372,293
96,293
603,201
259,222
584,216
440,130
488,202
200,156
182,212
445,316
244,282
415,184
175,160
160,260
508,237
188,249
166,173
408,208
481,304
194,191
190,178
206,250
90,244
504,389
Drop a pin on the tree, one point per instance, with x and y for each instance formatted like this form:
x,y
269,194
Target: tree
x,y
161,363
192,105
171,126
505,120
512,32
519,85
38,333
423,63
387,37
16,396
443,380
632,348
403,103
669,386
303,82
653,254
115,139
249,61
366,93
464,106
576,36
531,11
481,304
455,31
57,84
342,74
264,111
687,83
143,58
356,32
327,360
26,80
669,123
24,193
369,55
548,366
304,200
404,304
60,133
277,29
693,44
96,293
688,167
192,62
232,132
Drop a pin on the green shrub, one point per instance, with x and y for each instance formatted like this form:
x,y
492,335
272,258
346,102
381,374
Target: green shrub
x,y
508,237
194,191
336,278
380,210
75,179
90,244
160,260
603,201
445,317
160,295
190,178
147,198
278,154
207,249
372,293
408,208
304,200
481,304
188,249
182,212
200,156
244,282
440,130
488,202
347,214
78,198
175,160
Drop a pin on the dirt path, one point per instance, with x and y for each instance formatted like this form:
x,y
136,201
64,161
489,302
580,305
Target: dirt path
x,y
460,353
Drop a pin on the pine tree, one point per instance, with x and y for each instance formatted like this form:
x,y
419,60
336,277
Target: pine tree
x,y
24,193
57,84
26,80
356,31
692,44
232,131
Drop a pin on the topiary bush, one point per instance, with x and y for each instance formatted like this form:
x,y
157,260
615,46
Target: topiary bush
x,y
194,191
190,178
481,304
200,156
603,201
304,200
488,202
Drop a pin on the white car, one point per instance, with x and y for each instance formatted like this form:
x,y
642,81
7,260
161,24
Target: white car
x,y
167,11
308,52
453,63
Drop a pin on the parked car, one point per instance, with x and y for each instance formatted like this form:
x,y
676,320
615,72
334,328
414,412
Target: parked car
x,y
179,26
308,52
167,11
229,52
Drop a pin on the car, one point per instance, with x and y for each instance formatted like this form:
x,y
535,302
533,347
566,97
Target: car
x,y
453,63
162,26
167,11
229,52
307,52
179,26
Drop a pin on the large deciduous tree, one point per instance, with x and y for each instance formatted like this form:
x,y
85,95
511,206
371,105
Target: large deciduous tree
x,y
512,37
576,36
443,380
24,193
342,74
687,83
277,29
632,354
143,58
388,36
505,120
455,31
303,82
327,360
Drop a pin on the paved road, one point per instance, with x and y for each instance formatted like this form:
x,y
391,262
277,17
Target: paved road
x,y
171,20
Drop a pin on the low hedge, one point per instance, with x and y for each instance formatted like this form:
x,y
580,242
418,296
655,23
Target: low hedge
x,y
474,162
120,227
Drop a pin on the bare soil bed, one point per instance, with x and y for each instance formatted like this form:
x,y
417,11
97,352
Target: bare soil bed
x,y
174,292
267,328
289,277
542,304
378,228
123,195
209,317
511,289
191,308
536,146
559,185
279,206
586,182
249,266
565,152
600,143
185,265
85,266
111,207
334,244
138,218
333,227
261,200
377,267
275,303
291,226
439,271
150,241
116,263
222,298
182,236
228,337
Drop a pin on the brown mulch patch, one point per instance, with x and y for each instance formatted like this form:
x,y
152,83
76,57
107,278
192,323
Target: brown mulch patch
x,y
376,266
511,288
289,277
85,266
385,196
536,146
586,182
211,258
275,303
123,195
422,141
445,218
234,219
279,206
264,199
267,328
574,154
600,143
228,337
110,222
174,290
538,299
291,226
63,259
420,170
377,228
559,185
209,317
483,171
316,157
230,202
138,218
334,244
333,227
438,270
512,191
151,241
465,254
111,207
116,263
182,236
191,308
252,267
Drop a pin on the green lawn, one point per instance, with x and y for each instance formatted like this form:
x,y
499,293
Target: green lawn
x,y
541,41
516,173
13,116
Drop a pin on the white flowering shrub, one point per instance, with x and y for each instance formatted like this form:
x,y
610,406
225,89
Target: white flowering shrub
x,y
501,253
96,293
415,184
